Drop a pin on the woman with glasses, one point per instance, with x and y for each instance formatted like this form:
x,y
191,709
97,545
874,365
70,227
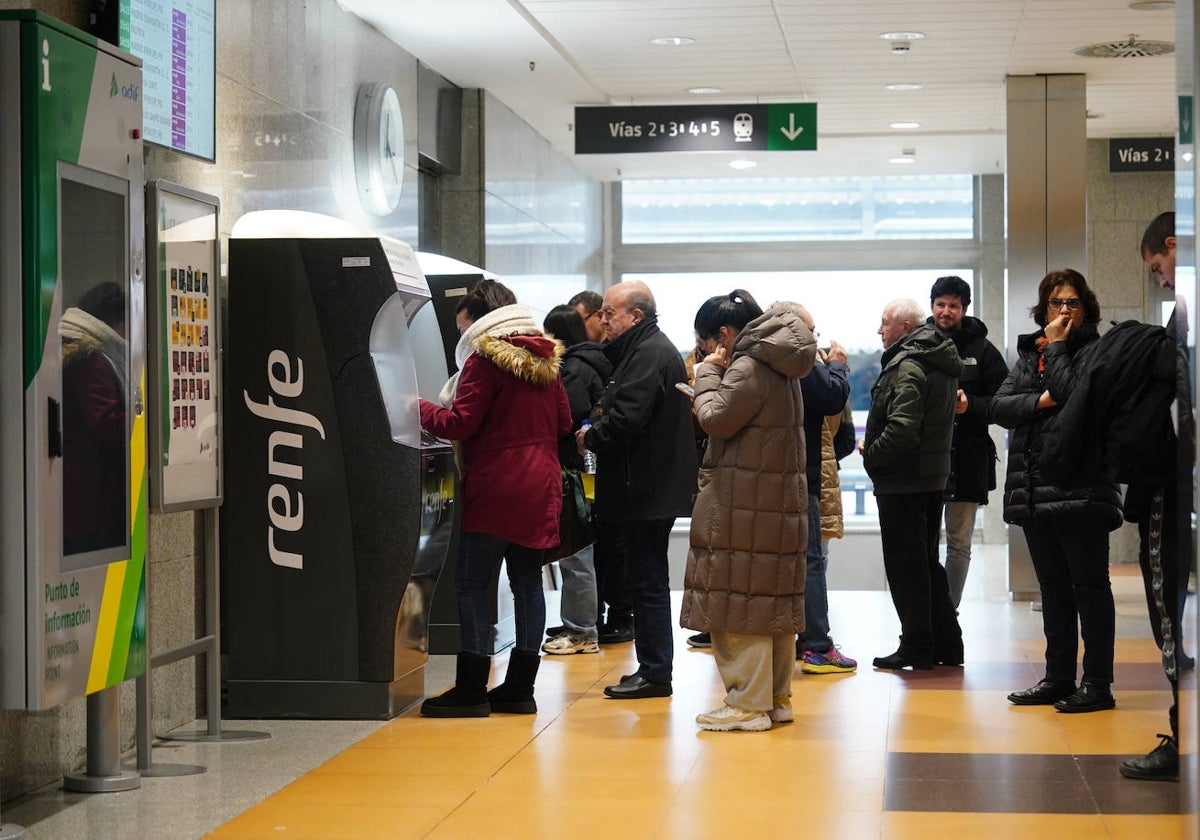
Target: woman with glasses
x,y
1066,528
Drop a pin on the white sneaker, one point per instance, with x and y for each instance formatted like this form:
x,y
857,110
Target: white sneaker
x,y
781,710
729,719
566,644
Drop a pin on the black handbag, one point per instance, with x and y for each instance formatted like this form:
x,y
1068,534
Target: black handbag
x,y
575,529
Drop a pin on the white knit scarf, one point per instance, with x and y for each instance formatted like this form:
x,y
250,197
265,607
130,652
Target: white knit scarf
x,y
507,320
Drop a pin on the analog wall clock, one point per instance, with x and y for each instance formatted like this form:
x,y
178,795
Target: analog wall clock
x,y
378,148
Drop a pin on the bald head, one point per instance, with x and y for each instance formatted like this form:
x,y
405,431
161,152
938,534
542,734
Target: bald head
x,y
625,306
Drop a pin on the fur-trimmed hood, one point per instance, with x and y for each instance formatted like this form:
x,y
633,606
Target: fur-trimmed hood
x,y
514,323
533,358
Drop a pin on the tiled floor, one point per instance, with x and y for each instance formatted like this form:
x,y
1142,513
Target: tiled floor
x,y
874,754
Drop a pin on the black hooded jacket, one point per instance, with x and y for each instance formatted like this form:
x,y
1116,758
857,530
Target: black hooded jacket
x,y
585,372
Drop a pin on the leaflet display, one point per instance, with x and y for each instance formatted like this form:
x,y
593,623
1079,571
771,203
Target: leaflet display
x,y
184,306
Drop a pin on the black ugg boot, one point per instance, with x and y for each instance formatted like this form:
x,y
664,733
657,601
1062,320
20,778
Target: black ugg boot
x,y
468,696
514,696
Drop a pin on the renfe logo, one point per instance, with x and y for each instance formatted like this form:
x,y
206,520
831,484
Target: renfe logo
x,y
285,505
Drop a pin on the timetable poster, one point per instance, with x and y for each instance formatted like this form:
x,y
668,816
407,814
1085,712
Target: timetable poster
x,y
189,387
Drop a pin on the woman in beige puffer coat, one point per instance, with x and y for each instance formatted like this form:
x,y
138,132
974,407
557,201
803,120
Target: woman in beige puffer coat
x,y
744,582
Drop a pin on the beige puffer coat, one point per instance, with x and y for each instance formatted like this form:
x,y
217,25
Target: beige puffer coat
x,y
831,486
745,569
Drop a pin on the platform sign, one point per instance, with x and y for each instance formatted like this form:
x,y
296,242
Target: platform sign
x,y
696,128
1141,154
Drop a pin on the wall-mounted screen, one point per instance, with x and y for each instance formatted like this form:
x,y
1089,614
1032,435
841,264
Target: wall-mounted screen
x,y
176,41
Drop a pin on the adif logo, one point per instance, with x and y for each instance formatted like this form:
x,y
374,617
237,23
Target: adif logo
x,y
130,92
285,504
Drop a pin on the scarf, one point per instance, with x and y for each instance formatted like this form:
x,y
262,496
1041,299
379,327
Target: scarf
x,y
1041,343
507,320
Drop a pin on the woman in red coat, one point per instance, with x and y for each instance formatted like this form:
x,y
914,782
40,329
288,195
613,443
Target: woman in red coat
x,y
507,409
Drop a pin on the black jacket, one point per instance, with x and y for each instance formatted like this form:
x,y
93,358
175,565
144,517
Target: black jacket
x,y
972,453
585,372
825,391
911,421
645,453
1027,492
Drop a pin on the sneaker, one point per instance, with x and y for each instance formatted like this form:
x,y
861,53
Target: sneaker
x,y
556,630
1161,764
729,719
828,662
781,709
566,643
700,640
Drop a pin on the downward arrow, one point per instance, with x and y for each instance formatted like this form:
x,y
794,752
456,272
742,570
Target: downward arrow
x,y
793,130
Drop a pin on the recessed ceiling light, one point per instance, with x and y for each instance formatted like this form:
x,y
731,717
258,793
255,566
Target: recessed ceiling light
x,y
742,163
699,90
672,41
906,125
902,36
902,86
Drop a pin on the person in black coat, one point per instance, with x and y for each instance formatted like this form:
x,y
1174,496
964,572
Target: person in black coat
x,y
646,471
1066,529
972,453
585,371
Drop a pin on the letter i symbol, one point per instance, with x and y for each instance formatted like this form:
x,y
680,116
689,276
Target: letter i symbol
x,y
46,64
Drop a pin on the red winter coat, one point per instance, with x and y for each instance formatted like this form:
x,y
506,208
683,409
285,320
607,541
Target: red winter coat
x,y
509,411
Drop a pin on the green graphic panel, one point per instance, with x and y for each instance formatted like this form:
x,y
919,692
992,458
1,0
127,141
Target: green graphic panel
x,y
56,82
792,128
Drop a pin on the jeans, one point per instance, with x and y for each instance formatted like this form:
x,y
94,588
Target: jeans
x,y
816,594
479,558
960,526
909,526
578,605
650,588
1070,557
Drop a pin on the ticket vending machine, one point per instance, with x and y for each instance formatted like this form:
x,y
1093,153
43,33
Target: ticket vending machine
x,y
337,511
72,373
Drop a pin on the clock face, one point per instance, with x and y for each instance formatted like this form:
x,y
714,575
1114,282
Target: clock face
x,y
378,148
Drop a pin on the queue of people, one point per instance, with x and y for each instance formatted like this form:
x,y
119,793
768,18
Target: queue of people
x,y
600,389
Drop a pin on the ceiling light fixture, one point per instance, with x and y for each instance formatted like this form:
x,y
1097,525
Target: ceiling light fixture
x,y
742,163
902,86
906,125
907,156
701,90
672,41
1151,5
902,36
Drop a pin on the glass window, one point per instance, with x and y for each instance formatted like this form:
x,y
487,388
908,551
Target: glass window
x,y
798,209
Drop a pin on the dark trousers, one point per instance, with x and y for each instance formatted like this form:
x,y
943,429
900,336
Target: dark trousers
x,y
479,557
910,525
1070,557
650,588
612,587
1165,594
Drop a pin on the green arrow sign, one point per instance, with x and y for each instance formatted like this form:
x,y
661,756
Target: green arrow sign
x,y
792,128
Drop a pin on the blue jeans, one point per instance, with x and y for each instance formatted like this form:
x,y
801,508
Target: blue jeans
x,y
479,558
816,594
578,606
960,525
650,588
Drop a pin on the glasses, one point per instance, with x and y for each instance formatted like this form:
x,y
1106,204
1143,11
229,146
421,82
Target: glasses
x,y
608,312
1070,304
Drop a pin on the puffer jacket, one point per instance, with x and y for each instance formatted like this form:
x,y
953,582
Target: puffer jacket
x,y
745,568
911,421
509,411
831,486
1027,493
585,372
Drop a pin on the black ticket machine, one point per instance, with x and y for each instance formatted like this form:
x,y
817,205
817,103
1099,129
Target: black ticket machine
x,y
338,511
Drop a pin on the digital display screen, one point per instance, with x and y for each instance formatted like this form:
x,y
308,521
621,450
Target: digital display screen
x,y
176,41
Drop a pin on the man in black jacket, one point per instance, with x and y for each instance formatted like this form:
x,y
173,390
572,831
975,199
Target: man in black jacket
x,y
645,472
906,452
972,452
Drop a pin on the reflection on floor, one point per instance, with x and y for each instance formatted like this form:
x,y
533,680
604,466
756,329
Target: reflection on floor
x,y
874,754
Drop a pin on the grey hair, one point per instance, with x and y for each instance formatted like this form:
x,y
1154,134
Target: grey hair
x,y
644,301
905,309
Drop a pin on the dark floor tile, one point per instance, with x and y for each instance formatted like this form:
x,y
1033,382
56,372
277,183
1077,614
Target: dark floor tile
x,y
981,767
1139,676
973,676
1011,796
1127,796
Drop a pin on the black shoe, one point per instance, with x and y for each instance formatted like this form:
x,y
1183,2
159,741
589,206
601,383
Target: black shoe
x,y
615,634
1184,662
899,660
1047,691
1089,697
950,656
1161,764
700,640
637,688
554,632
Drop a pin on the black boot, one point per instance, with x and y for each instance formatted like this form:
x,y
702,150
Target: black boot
x,y
514,696
468,696
1091,696
1161,764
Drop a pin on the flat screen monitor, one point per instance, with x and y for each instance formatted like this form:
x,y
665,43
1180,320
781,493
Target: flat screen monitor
x,y
176,41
